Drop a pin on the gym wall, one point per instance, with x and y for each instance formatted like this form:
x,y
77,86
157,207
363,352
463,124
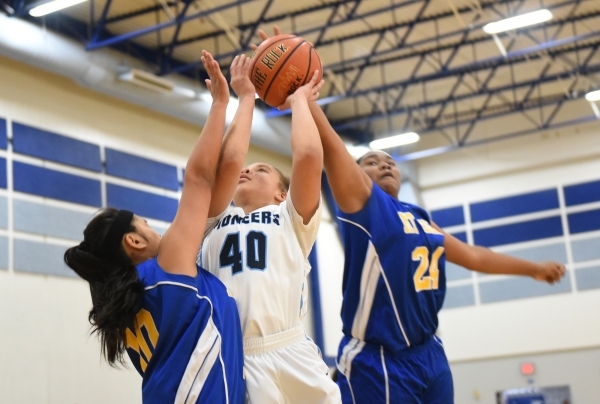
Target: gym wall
x,y
65,152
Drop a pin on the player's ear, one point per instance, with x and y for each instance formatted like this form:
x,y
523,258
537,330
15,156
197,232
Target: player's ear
x,y
134,241
280,196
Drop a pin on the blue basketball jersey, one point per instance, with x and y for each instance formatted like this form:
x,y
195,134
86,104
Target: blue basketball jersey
x,y
187,341
394,278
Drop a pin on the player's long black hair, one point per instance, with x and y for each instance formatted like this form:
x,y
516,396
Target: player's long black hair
x,y
114,285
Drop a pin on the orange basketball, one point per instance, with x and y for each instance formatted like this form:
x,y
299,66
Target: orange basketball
x,y
282,64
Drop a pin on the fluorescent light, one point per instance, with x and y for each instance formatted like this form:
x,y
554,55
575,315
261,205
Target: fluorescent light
x,y
186,92
535,17
357,151
394,141
593,96
52,7
206,97
232,107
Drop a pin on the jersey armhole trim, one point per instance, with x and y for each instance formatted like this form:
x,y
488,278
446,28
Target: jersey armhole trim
x,y
355,224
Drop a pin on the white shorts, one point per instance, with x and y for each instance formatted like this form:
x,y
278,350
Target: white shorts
x,y
287,368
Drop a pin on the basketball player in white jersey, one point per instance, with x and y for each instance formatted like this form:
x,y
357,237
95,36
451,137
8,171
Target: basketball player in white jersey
x,y
259,249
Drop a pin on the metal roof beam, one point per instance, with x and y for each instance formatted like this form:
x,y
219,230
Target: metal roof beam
x,y
446,149
344,124
302,33
264,20
134,34
141,12
358,62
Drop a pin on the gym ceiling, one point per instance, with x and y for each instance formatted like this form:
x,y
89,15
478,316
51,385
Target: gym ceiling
x,y
391,66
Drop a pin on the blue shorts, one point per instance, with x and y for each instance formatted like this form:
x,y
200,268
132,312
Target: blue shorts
x,y
370,374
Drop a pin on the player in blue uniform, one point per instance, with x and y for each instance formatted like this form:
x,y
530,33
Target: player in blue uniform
x,y
176,321
394,281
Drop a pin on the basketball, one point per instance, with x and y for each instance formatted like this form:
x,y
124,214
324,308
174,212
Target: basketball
x,y
280,65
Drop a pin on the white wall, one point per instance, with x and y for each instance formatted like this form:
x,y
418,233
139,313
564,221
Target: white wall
x,y
46,353
478,338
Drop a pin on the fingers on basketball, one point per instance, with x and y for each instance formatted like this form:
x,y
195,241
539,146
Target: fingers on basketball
x,y
281,65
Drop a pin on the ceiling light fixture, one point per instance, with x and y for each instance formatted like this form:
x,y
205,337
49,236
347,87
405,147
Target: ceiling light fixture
x,y
52,6
593,96
394,141
147,80
519,21
357,151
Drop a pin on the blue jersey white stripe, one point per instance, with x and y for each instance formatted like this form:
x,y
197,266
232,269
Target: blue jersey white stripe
x,y
187,341
394,277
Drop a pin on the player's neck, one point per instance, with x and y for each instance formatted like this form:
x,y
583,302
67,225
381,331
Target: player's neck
x,y
249,207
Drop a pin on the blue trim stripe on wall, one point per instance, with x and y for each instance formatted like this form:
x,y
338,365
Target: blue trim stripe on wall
x,y
56,185
61,149
3,134
462,236
135,168
449,216
142,203
519,232
582,193
514,205
584,221
3,173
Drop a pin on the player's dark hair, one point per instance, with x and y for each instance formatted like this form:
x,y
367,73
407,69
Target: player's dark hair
x,y
284,182
114,284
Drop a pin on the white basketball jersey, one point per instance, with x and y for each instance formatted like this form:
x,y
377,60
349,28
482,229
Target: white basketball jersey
x,y
262,258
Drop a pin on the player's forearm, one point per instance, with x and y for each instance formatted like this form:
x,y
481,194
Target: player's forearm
x,y
204,157
490,262
350,188
305,142
237,138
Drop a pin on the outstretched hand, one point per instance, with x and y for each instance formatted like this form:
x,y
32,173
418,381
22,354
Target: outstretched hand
x,y
263,35
216,83
549,272
309,91
240,76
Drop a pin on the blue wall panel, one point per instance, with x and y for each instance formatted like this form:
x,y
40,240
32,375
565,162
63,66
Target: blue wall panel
x,y
588,278
586,250
584,221
520,288
519,232
459,296
582,193
462,236
3,252
3,134
2,173
41,258
55,184
140,169
142,203
449,216
514,205
50,146
455,272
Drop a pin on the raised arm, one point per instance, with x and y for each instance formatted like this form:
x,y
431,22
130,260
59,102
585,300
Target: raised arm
x,y
237,138
350,186
179,246
307,152
481,259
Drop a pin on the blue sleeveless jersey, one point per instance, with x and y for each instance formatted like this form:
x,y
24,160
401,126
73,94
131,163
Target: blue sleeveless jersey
x,y
394,278
187,342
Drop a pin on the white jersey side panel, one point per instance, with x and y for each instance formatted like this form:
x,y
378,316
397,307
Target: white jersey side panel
x,y
262,258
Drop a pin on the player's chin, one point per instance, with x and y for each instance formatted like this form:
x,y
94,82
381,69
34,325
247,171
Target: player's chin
x,y
390,185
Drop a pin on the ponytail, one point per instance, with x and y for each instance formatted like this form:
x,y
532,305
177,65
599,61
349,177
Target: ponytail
x,y
115,286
